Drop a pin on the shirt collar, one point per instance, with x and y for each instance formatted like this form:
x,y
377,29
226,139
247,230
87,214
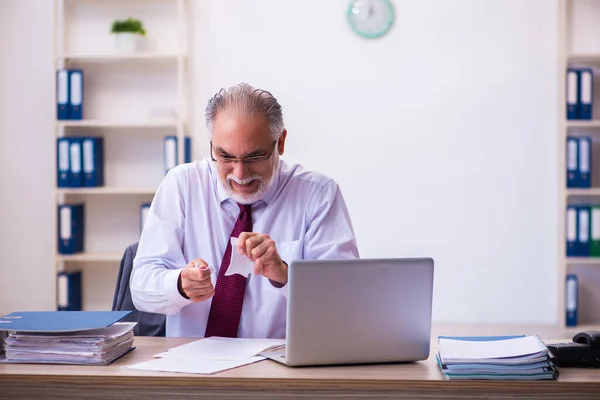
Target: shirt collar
x,y
223,196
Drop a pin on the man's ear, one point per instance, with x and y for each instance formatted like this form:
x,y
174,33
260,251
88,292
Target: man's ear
x,y
281,142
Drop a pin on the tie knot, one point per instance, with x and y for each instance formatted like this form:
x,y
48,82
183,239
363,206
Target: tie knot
x,y
245,208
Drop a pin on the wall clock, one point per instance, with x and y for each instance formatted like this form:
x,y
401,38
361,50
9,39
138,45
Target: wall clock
x,y
370,19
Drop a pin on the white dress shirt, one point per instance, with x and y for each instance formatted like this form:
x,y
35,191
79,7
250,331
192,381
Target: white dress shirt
x,y
191,216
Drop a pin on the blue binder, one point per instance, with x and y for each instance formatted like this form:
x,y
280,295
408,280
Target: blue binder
x,y
63,164
572,93
68,289
76,162
584,178
169,153
571,299
93,161
76,93
70,228
63,105
572,162
586,93
571,230
583,230
60,321
144,209
187,150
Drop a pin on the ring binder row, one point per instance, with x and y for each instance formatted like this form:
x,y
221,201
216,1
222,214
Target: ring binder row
x,y
583,230
579,162
579,90
69,94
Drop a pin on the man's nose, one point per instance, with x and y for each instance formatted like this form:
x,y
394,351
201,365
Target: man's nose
x,y
240,170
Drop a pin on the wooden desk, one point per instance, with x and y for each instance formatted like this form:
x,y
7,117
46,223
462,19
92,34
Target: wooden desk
x,y
270,380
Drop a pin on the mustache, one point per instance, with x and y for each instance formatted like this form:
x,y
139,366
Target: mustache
x,y
245,181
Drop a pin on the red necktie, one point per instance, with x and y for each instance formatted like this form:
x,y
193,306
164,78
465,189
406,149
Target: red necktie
x,y
226,307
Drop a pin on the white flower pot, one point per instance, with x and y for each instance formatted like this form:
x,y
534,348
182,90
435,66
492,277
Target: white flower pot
x,y
127,43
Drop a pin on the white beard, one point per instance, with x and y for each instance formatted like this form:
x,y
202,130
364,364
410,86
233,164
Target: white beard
x,y
264,185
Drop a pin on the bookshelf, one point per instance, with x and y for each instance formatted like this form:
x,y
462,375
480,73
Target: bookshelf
x,y
578,29
132,101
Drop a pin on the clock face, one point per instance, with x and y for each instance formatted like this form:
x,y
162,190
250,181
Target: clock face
x,y
370,18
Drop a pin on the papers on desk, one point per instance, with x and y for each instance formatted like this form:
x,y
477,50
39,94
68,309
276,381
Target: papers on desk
x,y
210,355
488,357
91,346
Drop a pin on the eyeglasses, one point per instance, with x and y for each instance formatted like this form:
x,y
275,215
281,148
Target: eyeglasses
x,y
227,159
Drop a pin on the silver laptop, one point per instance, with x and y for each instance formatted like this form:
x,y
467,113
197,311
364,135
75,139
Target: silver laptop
x,y
357,311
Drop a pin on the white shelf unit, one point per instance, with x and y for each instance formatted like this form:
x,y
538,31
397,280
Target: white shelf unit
x,y
121,94
578,46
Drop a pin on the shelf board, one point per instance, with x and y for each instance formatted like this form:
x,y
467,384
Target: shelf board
x,y
94,123
583,57
583,192
590,123
107,190
583,260
113,57
90,257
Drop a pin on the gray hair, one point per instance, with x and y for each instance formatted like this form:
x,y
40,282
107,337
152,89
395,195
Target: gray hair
x,y
245,100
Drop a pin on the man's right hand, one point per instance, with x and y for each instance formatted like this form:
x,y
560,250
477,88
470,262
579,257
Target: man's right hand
x,y
194,281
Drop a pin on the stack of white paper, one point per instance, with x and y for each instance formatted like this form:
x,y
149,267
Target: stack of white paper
x,y
94,347
522,358
208,356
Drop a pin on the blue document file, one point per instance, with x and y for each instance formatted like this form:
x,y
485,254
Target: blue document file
x,y
76,93
93,161
76,161
572,299
63,106
70,228
571,225
586,93
63,163
59,321
584,152
68,288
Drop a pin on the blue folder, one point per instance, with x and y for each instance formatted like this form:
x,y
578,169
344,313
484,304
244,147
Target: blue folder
x,y
572,93
586,93
63,105
59,321
584,154
571,300
63,162
93,161
76,93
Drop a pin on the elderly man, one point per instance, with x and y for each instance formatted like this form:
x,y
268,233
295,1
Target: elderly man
x,y
278,212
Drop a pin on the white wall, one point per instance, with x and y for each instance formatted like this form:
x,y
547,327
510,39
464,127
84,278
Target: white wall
x,y
442,136
26,156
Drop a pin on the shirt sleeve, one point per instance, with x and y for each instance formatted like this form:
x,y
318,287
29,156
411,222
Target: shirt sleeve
x,y
159,258
330,234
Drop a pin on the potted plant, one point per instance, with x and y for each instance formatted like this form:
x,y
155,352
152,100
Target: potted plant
x,y
128,34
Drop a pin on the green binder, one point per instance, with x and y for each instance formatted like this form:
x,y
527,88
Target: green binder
x,y
595,231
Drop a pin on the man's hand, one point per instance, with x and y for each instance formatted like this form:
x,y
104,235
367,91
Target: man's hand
x,y
262,250
194,281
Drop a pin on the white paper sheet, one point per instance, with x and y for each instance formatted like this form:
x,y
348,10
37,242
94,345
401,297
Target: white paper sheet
x,y
463,349
240,263
218,348
191,366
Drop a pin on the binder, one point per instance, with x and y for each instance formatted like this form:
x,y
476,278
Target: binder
x,y
93,161
69,291
595,231
60,321
586,90
144,209
169,153
63,105
63,164
571,224
70,228
571,299
76,93
583,231
585,159
187,149
572,91
572,162
76,161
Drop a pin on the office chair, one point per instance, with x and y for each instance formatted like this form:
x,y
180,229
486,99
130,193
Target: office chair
x,y
148,324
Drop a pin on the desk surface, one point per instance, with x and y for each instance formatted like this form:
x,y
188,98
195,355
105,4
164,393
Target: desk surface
x,y
267,379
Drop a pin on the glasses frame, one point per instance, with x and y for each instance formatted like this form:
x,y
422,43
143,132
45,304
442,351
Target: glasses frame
x,y
245,160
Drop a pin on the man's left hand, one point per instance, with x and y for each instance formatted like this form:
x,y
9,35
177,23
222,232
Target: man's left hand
x,y
262,250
